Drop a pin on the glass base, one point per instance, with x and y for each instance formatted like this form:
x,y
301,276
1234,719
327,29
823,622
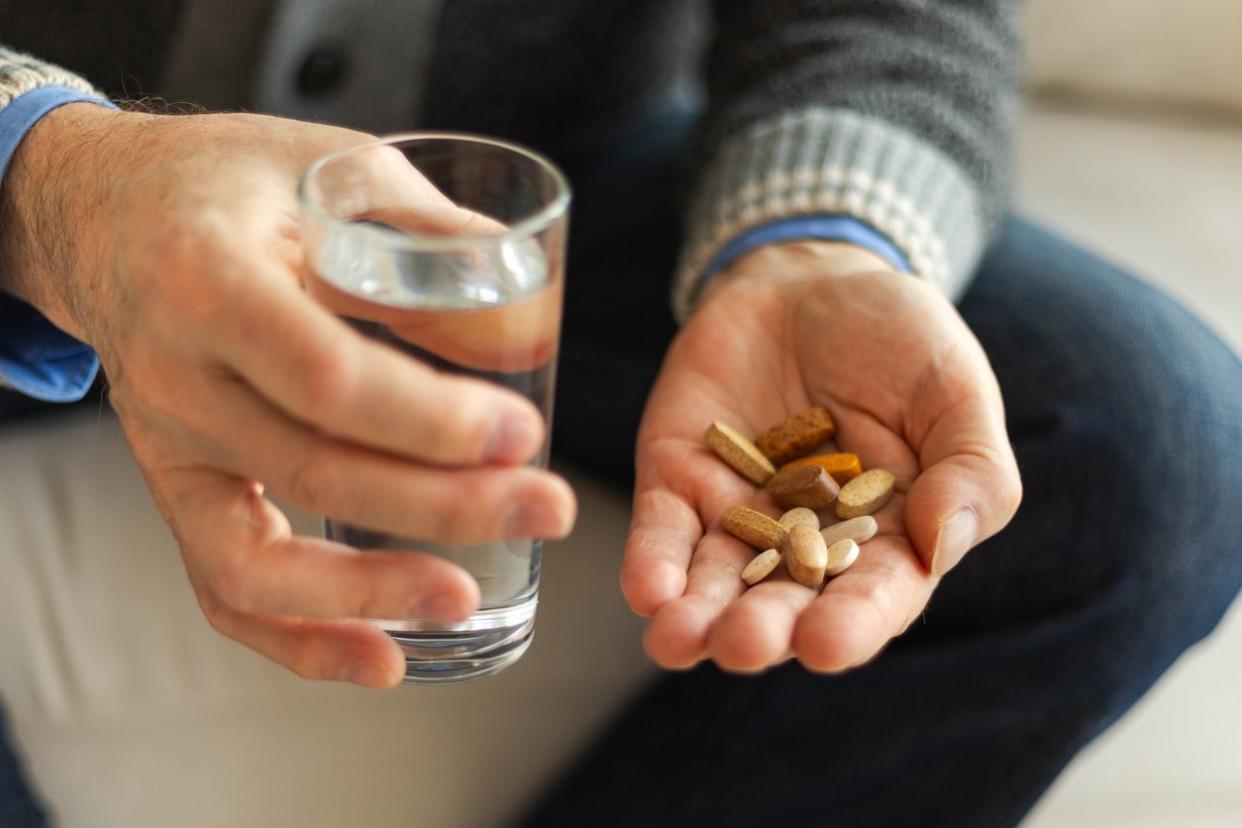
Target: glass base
x,y
482,645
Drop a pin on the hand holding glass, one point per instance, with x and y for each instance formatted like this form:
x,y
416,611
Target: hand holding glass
x,y
449,248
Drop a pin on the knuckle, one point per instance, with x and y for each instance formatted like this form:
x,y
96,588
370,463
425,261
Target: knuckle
x,y
1012,495
215,613
459,516
316,485
459,430
234,585
367,599
308,657
329,378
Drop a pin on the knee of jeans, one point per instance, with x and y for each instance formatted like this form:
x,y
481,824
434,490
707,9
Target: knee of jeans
x,y
1165,448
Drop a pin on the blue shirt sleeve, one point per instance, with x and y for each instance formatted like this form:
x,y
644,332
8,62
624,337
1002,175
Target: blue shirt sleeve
x,y
826,227
36,357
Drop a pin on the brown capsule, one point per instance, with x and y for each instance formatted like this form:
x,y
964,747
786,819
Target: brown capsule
x,y
808,486
843,466
754,528
797,435
806,557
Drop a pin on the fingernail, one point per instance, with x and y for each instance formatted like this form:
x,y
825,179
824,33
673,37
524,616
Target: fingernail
x,y
536,520
513,439
957,535
366,674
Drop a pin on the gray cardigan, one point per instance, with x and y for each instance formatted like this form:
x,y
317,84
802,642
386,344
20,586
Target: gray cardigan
x,y
897,112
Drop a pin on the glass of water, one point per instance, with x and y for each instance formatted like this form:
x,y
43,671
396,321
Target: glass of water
x,y
391,249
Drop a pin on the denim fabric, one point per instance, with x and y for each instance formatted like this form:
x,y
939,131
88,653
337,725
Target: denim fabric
x,y
1126,415
18,807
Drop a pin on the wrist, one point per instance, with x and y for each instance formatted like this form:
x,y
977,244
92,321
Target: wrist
x,y
49,203
798,261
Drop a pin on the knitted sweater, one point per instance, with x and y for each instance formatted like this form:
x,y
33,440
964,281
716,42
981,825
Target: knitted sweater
x,y
896,112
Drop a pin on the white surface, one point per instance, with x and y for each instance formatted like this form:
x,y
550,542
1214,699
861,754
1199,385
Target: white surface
x,y
1167,201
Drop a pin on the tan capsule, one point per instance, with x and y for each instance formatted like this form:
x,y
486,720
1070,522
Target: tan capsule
x,y
739,453
859,530
865,494
761,566
754,528
841,556
806,556
800,515
808,486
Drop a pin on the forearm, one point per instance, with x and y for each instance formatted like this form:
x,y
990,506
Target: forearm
x,y
45,134
892,112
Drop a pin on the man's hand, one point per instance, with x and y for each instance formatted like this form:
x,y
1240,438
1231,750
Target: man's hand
x,y
911,391
171,244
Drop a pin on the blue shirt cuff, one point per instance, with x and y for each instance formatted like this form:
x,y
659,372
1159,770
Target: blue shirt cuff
x,y
36,357
803,228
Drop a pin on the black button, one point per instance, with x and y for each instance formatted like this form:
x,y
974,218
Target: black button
x,y
322,71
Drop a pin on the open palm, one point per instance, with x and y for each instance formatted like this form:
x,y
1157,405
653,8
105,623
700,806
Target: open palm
x,y
911,391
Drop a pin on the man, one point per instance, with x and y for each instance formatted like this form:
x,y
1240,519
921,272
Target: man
x,y
847,174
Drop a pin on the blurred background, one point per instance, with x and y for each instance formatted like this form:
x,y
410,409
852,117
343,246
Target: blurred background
x,y
1132,145
131,712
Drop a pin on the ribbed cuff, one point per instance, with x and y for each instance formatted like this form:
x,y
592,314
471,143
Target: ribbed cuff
x,y
20,73
820,161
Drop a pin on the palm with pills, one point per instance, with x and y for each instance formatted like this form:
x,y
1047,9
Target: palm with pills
x,y
910,390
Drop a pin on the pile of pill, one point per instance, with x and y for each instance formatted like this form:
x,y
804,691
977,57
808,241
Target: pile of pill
x,y
805,485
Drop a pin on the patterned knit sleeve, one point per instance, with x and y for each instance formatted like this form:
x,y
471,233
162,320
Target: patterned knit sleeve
x,y
898,113
20,73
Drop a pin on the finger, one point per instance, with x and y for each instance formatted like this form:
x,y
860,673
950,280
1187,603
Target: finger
x,y
677,634
662,547
318,370
354,651
241,546
754,632
861,610
675,639
969,487
343,481
662,535
381,184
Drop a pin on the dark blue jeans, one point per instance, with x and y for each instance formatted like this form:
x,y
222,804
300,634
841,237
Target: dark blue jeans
x,y
1126,414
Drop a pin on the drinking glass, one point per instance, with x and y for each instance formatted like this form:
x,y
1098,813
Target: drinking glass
x,y
390,249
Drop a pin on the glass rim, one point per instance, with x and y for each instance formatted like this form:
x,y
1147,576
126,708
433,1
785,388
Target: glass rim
x,y
524,228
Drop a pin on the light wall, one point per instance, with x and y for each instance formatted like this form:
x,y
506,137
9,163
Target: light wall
x,y
1183,51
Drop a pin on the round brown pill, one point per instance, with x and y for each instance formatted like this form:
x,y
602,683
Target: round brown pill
x,y
808,486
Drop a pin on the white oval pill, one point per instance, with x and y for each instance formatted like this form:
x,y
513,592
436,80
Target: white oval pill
x,y
761,566
800,515
841,556
859,530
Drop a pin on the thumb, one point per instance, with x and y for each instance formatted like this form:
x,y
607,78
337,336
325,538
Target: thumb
x,y
969,487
